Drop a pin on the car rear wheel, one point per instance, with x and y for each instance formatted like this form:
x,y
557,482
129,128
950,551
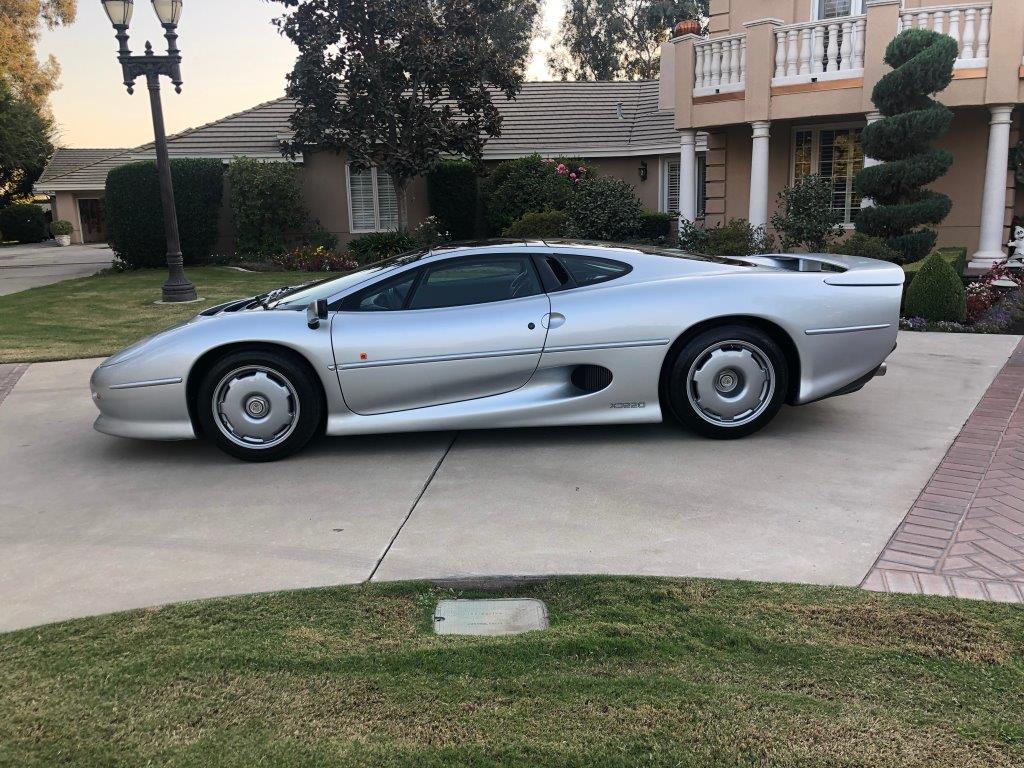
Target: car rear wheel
x,y
259,405
728,382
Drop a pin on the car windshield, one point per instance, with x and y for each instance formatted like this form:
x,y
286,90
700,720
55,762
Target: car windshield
x,y
302,295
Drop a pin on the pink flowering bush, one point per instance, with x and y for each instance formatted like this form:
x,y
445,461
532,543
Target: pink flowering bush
x,y
532,184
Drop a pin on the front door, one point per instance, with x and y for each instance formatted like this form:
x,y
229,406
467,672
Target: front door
x,y
453,330
94,225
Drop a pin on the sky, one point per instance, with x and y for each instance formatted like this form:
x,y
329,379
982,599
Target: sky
x,y
232,57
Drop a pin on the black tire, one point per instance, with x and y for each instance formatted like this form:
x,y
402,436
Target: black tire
x,y
746,354
290,397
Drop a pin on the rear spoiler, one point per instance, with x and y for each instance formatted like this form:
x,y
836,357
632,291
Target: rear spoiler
x,y
839,270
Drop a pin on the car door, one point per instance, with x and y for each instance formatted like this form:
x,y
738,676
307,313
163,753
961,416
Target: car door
x,y
463,328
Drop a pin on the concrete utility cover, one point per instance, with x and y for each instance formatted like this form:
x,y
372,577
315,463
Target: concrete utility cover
x,y
511,616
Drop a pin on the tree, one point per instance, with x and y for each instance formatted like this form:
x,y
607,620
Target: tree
x,y
618,39
19,32
806,218
401,84
922,65
25,144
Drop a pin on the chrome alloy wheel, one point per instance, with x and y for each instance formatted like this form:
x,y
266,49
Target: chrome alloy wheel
x,y
255,407
730,383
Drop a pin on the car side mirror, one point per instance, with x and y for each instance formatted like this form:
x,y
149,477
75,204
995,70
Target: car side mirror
x,y
315,312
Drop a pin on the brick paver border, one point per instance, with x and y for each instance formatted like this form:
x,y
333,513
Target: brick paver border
x,y
9,375
964,536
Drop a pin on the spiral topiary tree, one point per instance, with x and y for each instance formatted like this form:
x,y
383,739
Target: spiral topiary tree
x,y
922,65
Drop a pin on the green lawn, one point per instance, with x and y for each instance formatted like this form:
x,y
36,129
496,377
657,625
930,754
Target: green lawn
x,y
96,316
633,672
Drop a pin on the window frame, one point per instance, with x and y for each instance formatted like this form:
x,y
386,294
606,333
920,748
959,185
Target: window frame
x,y
376,201
816,130
344,302
856,9
701,184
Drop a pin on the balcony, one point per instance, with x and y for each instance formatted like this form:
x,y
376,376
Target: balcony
x,y
720,65
970,24
819,51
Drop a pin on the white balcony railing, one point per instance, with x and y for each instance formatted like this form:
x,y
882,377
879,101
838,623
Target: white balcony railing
x,y
968,23
720,65
819,50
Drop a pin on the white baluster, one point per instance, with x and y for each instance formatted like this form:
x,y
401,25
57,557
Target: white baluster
x,y
922,20
707,65
780,54
954,27
805,51
968,49
743,60
846,47
791,54
698,66
726,61
832,56
939,25
734,61
818,54
858,43
716,62
902,23
984,32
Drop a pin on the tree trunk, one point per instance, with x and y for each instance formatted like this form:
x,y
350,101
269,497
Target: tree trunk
x,y
401,190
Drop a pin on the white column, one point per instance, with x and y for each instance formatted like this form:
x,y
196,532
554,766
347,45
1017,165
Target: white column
x,y
687,176
758,214
993,201
867,202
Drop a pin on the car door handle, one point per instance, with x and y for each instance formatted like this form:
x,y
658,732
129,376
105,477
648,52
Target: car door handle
x,y
553,320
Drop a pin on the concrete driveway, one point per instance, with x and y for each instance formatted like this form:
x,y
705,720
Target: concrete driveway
x,y
90,524
28,266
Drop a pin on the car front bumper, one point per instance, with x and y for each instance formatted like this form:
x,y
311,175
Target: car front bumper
x,y
153,409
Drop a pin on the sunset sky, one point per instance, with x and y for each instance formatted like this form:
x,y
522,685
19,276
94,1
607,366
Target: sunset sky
x,y
233,60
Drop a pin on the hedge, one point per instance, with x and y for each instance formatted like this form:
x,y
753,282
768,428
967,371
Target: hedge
x,y
538,224
267,207
23,223
134,211
453,194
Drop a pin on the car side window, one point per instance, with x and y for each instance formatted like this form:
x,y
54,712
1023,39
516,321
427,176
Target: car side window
x,y
387,295
476,281
589,270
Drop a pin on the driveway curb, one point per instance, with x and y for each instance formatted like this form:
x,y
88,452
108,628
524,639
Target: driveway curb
x,y
10,373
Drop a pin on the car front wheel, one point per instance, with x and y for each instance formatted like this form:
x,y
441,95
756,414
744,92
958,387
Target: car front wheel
x,y
259,405
728,382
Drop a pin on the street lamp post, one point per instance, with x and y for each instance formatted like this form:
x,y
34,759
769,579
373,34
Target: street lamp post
x,y
178,287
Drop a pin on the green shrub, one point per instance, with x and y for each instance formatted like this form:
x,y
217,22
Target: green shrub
x,y
134,211
805,217
859,244
655,226
538,224
528,184
380,245
452,191
267,207
603,208
735,238
61,227
23,223
956,256
937,292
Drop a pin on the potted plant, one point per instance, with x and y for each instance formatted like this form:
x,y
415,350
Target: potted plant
x,y
62,231
687,27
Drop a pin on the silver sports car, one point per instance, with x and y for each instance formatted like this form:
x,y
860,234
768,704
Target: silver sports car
x,y
510,334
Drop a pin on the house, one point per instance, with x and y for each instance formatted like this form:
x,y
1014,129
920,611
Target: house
x,y
782,89
615,127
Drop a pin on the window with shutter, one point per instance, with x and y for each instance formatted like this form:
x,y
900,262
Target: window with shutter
x,y
387,201
361,200
671,191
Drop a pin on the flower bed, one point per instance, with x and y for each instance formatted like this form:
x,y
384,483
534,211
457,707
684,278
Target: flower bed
x,y
991,308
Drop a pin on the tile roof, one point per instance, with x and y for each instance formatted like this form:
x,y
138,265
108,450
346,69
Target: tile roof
x,y
580,118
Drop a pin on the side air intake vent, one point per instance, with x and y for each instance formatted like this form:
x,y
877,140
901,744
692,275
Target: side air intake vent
x,y
591,378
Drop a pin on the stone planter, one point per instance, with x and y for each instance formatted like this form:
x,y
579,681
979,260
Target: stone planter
x,y
63,240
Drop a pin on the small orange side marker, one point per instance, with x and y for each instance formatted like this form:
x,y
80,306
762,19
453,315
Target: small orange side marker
x,y
362,355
